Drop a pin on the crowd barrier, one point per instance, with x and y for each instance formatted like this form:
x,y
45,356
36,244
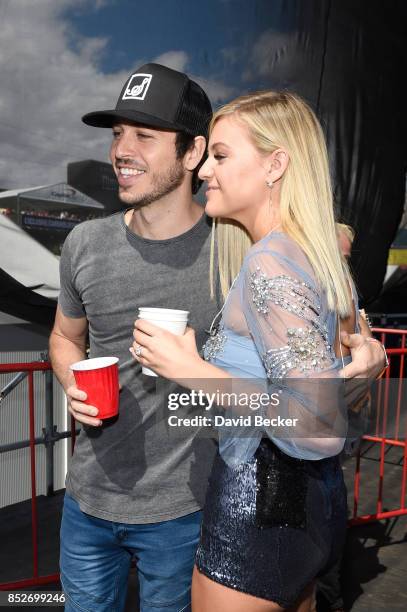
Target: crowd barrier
x,y
397,369
391,414
29,369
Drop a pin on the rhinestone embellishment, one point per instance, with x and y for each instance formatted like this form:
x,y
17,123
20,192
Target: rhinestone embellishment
x,y
284,291
303,352
214,344
307,348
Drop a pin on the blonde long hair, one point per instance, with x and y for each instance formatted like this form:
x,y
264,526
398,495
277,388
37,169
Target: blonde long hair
x,y
283,120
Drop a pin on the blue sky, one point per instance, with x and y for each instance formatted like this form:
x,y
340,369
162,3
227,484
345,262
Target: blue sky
x,y
201,28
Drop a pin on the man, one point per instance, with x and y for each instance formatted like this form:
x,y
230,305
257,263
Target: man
x,y
132,489
329,584
345,236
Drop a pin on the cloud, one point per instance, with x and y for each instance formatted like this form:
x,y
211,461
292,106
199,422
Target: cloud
x,y
217,91
47,86
177,60
276,57
231,55
51,76
98,4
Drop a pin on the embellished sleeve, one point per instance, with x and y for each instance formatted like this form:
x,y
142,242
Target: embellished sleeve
x,y
284,312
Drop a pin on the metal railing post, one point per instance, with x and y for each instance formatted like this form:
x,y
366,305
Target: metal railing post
x,y
49,432
34,518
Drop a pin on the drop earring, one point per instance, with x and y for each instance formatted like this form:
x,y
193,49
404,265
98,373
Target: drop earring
x,y
269,183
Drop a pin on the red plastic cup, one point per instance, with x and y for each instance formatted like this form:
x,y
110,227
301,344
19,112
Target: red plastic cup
x,y
99,378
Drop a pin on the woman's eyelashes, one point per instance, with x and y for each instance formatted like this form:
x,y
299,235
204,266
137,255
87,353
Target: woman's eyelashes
x,y
219,156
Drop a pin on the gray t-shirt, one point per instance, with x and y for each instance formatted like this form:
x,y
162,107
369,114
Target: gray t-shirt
x,y
136,469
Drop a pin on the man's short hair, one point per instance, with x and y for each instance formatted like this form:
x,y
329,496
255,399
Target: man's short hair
x,y
183,143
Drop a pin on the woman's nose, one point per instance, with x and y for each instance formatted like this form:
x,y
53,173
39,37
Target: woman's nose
x,y
205,171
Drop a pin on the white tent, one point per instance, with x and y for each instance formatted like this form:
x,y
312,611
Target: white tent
x,y
27,260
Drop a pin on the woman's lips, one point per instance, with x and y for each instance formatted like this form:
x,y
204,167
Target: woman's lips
x,y
209,189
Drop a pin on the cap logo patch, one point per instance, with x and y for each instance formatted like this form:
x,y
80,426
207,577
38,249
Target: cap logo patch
x,y
137,86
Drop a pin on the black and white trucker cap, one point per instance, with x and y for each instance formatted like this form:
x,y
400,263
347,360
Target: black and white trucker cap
x,y
160,97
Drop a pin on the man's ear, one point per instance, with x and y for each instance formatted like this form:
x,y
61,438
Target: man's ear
x,y
194,155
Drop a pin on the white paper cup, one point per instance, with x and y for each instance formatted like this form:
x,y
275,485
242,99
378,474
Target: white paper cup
x,y
172,320
170,311
165,314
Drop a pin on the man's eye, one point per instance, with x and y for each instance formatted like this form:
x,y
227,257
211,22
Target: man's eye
x,y
143,136
115,134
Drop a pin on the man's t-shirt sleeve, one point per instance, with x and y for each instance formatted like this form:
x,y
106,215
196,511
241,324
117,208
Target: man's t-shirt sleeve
x,y
69,299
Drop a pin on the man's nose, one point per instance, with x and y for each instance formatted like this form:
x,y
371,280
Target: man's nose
x,y
125,146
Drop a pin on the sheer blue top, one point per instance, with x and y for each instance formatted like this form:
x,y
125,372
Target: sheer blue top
x,y
277,333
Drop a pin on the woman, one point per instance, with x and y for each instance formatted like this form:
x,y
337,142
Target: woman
x,y
275,513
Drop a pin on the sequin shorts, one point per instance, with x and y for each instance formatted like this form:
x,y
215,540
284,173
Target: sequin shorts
x,y
272,524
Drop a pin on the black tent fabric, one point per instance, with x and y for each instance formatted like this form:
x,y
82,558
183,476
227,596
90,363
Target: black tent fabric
x,y
17,300
363,104
393,298
347,58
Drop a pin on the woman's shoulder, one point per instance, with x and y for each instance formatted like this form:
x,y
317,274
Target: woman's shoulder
x,y
281,250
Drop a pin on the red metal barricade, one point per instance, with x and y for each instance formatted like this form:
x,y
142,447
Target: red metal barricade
x,y
390,411
35,580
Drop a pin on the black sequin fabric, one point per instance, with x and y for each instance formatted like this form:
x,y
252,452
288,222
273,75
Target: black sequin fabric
x,y
281,489
272,524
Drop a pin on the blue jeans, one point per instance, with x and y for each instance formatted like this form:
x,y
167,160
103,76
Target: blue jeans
x,y
96,555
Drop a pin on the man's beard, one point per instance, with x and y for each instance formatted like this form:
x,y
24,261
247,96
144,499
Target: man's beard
x,y
163,183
